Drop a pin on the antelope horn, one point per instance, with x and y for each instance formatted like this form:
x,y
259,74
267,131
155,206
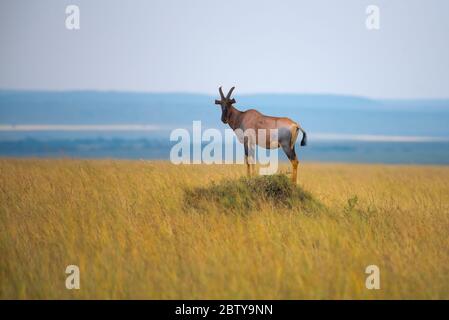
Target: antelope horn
x,y
221,93
230,92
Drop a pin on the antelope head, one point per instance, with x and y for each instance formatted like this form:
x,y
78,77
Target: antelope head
x,y
225,103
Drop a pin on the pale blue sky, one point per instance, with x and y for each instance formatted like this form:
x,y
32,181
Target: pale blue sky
x,y
259,46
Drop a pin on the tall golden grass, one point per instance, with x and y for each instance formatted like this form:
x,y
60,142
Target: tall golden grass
x,y
130,229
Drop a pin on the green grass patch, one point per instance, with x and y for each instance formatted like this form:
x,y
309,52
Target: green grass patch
x,y
247,194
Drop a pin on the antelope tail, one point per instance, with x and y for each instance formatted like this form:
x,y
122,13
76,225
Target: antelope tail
x,y
295,130
304,137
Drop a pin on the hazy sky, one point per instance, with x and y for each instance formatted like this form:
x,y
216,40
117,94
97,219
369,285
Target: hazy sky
x,y
259,46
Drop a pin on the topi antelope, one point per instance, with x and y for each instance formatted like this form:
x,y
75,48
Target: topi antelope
x,y
265,131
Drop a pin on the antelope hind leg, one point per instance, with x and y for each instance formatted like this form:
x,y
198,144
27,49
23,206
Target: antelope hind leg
x,y
294,171
291,154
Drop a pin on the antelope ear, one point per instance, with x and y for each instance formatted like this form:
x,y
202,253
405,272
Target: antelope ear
x,y
232,101
217,102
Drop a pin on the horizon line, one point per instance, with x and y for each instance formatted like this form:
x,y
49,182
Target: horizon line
x,y
2,90
318,136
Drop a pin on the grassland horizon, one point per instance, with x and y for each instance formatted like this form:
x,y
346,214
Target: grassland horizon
x,y
153,230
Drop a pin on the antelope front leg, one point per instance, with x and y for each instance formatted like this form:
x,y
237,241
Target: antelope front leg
x,y
248,156
252,159
254,171
248,167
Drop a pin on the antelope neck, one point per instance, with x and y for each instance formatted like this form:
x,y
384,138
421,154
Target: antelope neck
x,y
233,117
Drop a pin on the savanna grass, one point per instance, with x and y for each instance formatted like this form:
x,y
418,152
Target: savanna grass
x,y
153,230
